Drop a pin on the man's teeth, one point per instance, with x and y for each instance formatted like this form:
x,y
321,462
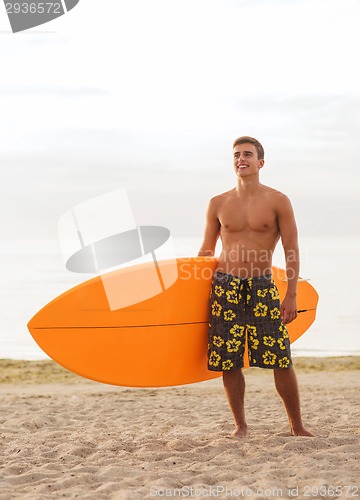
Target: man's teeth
x,y
243,166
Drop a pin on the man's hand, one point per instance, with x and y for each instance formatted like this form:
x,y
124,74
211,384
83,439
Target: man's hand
x,y
288,309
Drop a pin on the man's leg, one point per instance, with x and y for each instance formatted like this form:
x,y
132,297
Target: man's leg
x,y
234,385
287,387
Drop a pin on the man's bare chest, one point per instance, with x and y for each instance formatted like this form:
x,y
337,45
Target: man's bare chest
x,y
237,217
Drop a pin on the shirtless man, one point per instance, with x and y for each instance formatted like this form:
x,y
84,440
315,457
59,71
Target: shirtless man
x,y
244,305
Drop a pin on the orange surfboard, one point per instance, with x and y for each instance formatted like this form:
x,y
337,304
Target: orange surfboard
x,y
160,341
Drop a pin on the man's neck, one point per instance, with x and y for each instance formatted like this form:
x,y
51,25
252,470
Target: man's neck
x,y
247,185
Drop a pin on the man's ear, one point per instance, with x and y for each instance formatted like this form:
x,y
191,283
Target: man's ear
x,y
261,163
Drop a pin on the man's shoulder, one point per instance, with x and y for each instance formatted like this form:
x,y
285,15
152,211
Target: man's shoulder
x,y
275,194
220,198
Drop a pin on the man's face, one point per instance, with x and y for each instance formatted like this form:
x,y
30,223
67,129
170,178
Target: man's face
x,y
246,160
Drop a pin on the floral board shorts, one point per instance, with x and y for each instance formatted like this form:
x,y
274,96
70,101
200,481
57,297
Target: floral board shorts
x,y
246,312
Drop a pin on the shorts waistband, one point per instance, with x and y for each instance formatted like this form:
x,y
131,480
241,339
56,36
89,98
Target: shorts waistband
x,y
228,277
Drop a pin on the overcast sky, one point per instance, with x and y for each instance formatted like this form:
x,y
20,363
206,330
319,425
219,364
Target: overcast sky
x,y
149,95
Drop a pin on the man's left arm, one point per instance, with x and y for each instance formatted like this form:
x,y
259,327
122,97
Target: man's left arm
x,y
289,239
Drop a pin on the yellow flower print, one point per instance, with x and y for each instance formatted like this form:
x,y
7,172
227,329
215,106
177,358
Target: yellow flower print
x,y
216,308
233,345
274,293
269,358
214,358
218,341
229,315
284,331
249,283
254,342
275,313
260,309
232,296
281,344
237,331
251,330
234,281
219,291
248,298
284,362
269,341
226,365
262,293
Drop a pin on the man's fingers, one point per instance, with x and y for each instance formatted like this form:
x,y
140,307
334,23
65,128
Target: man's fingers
x,y
288,316
291,318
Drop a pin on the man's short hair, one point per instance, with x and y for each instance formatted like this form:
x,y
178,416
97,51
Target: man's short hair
x,y
243,139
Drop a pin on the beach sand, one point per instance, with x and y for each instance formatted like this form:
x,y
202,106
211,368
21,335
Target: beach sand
x,y
65,437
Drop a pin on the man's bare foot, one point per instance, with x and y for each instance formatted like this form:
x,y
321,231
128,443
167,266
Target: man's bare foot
x,y
301,432
239,433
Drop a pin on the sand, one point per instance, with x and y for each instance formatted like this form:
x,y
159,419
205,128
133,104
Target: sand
x,y
65,437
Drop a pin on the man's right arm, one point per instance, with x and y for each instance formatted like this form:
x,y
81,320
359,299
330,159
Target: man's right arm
x,y
212,230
